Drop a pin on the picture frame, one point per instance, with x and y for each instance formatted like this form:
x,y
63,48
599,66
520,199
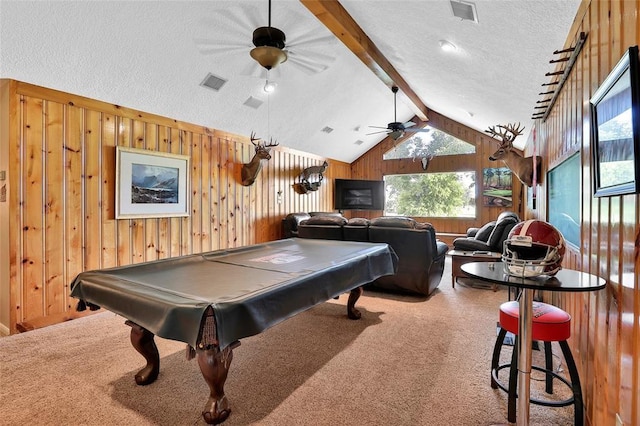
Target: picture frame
x,y
615,127
497,187
151,184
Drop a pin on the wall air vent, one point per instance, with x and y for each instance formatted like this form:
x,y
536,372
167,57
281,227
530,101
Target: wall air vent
x,y
213,82
464,10
252,102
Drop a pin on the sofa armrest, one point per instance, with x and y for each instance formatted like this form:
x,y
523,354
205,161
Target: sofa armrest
x,y
441,249
290,224
470,244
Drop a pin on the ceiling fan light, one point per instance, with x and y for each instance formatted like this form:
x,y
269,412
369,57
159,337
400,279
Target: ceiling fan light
x,y
396,134
270,86
268,57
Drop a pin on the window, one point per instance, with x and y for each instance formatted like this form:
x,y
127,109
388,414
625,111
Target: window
x,y
424,144
431,194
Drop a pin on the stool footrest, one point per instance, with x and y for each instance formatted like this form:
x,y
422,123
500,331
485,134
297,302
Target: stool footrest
x,y
544,402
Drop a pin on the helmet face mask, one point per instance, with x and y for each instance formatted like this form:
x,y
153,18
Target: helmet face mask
x,y
533,248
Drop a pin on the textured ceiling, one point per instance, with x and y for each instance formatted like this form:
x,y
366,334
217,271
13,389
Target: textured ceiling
x,y
153,55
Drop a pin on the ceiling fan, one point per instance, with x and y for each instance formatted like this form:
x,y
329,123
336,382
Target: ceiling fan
x,y
269,48
396,129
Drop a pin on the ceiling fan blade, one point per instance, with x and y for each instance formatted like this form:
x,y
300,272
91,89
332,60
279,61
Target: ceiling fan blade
x,y
208,47
236,17
408,124
418,130
253,69
376,133
307,66
308,39
310,55
379,127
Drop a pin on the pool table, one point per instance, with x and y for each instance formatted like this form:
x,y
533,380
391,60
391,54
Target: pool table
x,y
212,300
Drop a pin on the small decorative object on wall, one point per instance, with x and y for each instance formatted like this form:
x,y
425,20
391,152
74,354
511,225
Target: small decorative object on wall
x,y
615,124
521,166
151,184
251,169
310,178
497,187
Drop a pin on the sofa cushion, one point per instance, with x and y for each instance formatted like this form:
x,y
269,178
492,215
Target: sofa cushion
x,y
485,231
500,232
325,214
358,221
394,222
325,220
424,225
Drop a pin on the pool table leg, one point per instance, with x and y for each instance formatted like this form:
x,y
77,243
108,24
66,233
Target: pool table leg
x,y
142,341
352,312
214,365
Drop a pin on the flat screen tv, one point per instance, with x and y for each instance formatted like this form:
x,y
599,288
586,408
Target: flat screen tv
x,y
353,194
564,189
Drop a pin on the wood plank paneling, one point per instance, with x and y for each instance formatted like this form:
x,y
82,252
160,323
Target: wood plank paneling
x,y
605,324
372,166
62,195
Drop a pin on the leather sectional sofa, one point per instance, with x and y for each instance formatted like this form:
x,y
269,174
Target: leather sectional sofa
x,y
421,256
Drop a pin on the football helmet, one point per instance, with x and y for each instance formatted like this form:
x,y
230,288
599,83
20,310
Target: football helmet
x,y
533,248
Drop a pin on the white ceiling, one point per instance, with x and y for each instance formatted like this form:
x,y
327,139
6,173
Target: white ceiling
x,y
150,56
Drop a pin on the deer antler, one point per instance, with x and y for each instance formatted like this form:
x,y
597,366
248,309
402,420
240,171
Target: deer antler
x,y
507,133
254,139
271,143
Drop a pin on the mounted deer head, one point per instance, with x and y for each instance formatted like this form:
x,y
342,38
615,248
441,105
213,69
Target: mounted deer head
x,y
251,169
521,166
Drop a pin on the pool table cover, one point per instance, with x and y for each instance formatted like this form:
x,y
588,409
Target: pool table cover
x,y
249,288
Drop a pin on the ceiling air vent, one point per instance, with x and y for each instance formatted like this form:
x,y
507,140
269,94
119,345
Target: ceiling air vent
x,y
359,142
253,102
213,82
464,10
327,129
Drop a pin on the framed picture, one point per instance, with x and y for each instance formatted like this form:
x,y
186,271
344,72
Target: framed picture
x,y
497,187
615,125
151,184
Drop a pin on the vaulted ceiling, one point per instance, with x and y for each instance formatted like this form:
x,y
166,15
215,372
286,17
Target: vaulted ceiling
x,y
343,58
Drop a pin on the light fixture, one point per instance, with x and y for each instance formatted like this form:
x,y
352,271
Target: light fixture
x,y
269,86
269,43
267,56
447,46
396,134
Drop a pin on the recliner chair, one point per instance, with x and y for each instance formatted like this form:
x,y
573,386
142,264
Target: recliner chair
x,y
489,237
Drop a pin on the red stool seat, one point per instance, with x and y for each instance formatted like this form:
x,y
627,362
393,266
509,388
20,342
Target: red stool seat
x,y
550,323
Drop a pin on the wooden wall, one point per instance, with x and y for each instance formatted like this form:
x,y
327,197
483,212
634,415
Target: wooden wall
x,y
372,166
606,329
59,217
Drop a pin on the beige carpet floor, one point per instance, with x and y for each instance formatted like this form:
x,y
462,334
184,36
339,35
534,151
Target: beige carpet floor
x,y
408,361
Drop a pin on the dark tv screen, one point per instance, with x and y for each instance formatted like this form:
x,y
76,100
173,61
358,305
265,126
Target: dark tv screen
x,y
564,190
353,194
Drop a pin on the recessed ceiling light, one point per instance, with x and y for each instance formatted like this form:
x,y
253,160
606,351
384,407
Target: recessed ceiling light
x,y
447,46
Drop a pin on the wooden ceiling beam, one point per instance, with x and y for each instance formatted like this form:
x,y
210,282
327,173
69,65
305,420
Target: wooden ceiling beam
x,y
346,29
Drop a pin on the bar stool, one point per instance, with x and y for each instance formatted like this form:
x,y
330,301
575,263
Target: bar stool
x,y
550,324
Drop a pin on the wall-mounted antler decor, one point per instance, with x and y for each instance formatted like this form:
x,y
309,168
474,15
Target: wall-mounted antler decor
x,y
521,166
543,107
310,178
251,169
